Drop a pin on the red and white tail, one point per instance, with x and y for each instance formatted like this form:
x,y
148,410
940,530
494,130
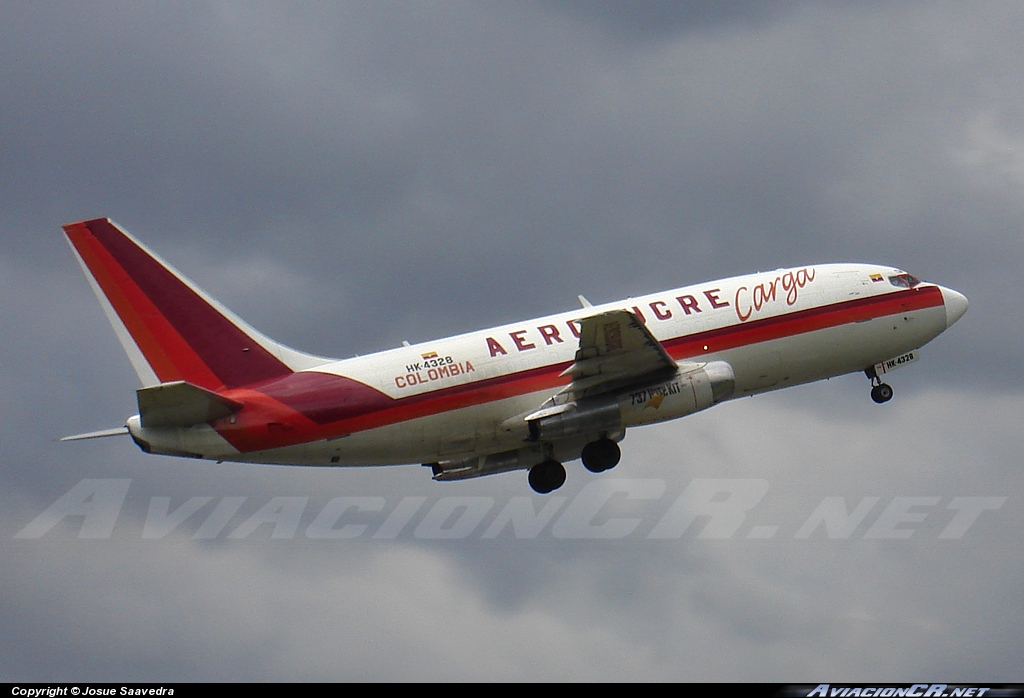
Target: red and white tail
x,y
171,330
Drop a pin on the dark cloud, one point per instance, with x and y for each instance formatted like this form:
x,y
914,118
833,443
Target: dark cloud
x,y
346,176
647,20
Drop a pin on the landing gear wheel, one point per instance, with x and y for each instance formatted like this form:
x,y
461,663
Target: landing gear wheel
x,y
547,476
881,393
601,455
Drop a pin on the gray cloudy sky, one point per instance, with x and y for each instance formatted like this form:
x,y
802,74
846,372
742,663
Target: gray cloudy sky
x,y
349,175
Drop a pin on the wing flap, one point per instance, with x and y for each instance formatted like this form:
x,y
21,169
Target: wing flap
x,y
182,404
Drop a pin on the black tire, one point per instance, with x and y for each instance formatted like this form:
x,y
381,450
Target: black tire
x,y
881,393
601,455
547,476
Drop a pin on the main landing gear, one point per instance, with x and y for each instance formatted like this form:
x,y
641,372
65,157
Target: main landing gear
x,y
547,476
597,457
601,455
880,392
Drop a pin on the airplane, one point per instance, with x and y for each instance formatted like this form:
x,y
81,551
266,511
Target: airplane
x,y
527,396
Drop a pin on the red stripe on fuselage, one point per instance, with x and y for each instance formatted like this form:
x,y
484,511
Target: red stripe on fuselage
x,y
309,406
801,321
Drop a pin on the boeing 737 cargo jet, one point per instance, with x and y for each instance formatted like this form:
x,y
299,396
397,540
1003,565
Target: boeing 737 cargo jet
x,y
527,396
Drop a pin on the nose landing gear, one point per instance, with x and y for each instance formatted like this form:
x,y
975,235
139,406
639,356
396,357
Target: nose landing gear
x,y
880,392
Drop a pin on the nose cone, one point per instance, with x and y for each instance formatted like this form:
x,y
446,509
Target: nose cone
x,y
956,305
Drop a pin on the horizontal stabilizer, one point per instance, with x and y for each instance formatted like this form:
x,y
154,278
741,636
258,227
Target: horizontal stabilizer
x,y
117,431
181,404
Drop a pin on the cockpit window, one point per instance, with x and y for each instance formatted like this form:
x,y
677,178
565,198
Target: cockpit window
x,y
904,280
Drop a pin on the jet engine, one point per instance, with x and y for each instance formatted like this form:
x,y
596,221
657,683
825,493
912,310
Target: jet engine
x,y
691,389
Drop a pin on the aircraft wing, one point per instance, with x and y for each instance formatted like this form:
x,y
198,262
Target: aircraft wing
x,y
616,350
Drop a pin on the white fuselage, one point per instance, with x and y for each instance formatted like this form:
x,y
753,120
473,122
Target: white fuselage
x,y
454,397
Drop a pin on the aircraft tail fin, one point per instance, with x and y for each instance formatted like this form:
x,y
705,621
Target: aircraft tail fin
x,y
170,329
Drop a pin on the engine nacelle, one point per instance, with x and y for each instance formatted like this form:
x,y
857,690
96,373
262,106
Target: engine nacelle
x,y
583,417
690,390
